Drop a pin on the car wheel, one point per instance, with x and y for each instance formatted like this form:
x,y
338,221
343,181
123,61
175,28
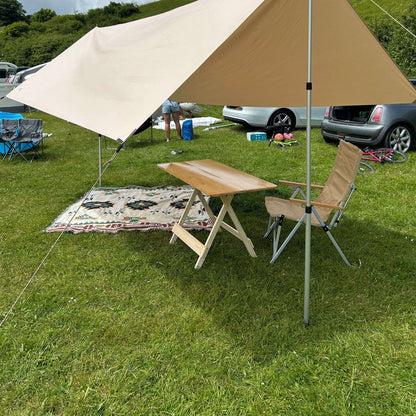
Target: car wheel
x,y
400,138
283,118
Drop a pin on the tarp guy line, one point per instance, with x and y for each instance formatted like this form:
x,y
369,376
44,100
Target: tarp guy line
x,y
391,17
106,165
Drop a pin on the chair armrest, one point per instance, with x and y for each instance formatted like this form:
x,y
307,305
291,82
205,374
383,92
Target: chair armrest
x,y
317,204
299,184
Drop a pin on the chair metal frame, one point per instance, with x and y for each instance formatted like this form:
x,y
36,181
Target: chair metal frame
x,y
279,208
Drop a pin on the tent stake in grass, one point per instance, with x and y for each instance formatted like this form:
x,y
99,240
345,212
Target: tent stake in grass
x,y
220,127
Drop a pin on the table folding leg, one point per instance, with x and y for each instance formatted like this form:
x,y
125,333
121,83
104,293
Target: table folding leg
x,y
197,246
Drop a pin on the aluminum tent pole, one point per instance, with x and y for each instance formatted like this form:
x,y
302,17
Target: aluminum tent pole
x,y
308,208
99,159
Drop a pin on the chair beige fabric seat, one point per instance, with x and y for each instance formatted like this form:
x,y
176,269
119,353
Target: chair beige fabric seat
x,y
292,211
333,198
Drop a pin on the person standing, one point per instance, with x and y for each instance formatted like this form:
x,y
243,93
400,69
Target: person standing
x,y
171,108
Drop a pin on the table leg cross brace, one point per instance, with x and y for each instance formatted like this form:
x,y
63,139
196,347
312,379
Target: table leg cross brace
x,y
218,222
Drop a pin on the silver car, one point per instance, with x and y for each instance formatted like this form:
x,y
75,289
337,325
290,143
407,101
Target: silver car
x,y
291,117
7,104
388,125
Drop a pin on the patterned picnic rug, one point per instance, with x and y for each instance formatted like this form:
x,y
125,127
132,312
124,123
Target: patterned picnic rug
x,y
133,208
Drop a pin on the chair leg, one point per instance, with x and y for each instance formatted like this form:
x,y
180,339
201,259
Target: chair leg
x,y
275,225
326,229
18,151
35,149
7,148
12,151
328,232
288,238
276,232
270,227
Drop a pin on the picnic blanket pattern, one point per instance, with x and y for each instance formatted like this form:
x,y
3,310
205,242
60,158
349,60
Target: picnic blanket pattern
x,y
133,208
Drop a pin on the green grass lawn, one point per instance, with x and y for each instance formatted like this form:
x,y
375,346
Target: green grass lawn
x,y
124,325
368,10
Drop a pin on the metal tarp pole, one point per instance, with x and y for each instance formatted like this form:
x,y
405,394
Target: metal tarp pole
x,y
99,158
308,209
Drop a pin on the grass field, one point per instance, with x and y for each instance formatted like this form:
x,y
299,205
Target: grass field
x,y
368,10
124,325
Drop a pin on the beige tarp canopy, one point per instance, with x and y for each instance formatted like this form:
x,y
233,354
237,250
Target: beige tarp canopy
x,y
228,52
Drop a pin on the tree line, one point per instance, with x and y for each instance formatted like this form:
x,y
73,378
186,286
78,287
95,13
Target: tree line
x,y
32,40
29,40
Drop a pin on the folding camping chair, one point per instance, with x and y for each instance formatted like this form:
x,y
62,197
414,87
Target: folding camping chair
x,y
29,138
9,129
333,198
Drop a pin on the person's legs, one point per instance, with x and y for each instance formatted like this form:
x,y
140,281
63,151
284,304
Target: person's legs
x,y
181,114
175,116
166,117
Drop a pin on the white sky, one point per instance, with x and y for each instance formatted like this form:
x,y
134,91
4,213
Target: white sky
x,y
71,6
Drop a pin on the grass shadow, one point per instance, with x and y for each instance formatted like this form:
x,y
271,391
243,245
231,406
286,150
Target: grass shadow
x,y
261,305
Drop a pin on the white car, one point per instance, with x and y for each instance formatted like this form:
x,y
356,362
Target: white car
x,y
7,104
292,117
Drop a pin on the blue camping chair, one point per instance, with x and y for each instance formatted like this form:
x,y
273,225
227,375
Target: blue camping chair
x,y
22,135
5,145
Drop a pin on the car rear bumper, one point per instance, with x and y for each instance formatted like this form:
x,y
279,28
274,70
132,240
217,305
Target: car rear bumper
x,y
369,134
250,116
235,120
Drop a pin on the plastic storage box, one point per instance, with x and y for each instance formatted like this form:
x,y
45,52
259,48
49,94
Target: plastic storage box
x,y
257,136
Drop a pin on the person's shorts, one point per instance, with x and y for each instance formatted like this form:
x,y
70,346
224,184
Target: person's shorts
x,y
169,107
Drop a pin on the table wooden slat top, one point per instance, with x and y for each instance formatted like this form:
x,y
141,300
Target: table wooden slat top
x,y
214,178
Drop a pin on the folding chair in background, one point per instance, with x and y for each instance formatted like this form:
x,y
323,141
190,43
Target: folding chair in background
x,y
9,131
333,199
29,138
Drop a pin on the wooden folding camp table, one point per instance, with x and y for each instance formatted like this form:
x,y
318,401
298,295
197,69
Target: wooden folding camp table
x,y
215,180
